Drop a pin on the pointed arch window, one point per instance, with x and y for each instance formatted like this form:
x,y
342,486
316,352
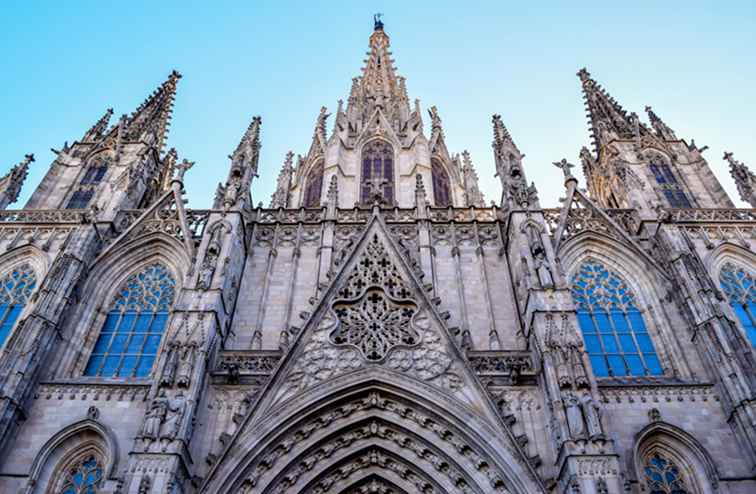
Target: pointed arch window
x,y
128,343
670,187
82,477
663,476
96,170
613,328
377,171
80,198
16,288
314,186
441,184
738,285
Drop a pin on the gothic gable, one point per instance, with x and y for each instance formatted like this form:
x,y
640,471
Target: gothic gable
x,y
374,324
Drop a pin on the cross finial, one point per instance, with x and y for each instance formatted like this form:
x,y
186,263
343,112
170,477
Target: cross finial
x,y
565,167
377,23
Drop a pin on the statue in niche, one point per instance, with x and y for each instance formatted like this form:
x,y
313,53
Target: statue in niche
x,y
540,262
578,368
207,269
175,409
574,416
232,189
186,365
169,371
592,413
155,416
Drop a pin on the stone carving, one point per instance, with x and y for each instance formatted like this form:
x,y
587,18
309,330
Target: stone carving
x,y
174,413
155,417
186,365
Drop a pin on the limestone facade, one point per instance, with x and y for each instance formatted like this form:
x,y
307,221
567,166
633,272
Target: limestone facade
x,y
378,328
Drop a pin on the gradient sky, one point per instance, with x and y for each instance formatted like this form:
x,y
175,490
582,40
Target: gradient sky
x,y
64,63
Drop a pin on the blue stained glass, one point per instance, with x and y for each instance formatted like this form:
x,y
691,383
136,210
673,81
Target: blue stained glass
x,y
16,288
662,476
83,477
130,337
737,283
586,322
592,344
606,302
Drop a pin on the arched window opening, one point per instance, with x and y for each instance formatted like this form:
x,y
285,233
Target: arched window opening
x,y
95,171
613,328
130,338
314,187
441,186
738,285
16,287
80,198
670,187
377,171
663,476
82,477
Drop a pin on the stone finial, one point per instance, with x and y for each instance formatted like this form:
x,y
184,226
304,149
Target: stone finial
x,y
10,184
744,179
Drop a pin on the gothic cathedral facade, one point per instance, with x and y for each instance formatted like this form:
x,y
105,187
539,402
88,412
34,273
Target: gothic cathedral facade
x,y
378,328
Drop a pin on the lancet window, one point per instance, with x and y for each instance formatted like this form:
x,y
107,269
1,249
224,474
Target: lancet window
x,y
663,476
128,343
16,287
314,186
613,328
80,198
738,285
441,186
670,187
377,172
82,477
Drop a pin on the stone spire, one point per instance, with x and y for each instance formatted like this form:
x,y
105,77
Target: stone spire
x,y
662,129
10,184
607,119
150,121
235,194
280,198
99,128
744,178
516,191
473,195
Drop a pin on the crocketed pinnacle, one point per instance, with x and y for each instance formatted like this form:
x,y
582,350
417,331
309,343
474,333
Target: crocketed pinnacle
x,y
744,178
99,128
662,129
250,141
11,183
607,119
151,120
501,135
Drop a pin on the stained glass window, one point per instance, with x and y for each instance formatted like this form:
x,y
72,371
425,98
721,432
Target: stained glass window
x,y
80,198
670,187
377,171
737,284
83,477
130,338
95,171
613,328
441,193
314,186
663,476
16,288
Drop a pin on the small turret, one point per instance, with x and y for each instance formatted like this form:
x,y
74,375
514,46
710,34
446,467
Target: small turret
x,y
235,193
473,195
11,183
280,198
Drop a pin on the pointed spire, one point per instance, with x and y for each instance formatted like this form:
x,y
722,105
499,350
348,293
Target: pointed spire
x,y
280,198
150,121
437,130
502,137
744,178
662,129
607,119
11,183
249,145
473,194
99,128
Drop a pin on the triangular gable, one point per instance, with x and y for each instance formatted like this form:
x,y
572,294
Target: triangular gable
x,y
376,317
166,215
382,128
576,199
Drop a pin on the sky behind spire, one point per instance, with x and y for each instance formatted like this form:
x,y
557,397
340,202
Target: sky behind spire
x,y
64,65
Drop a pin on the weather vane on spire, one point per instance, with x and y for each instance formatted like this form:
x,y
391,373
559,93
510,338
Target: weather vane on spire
x,y
378,24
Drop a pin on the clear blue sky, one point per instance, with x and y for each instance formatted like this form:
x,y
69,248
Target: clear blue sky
x,y
64,63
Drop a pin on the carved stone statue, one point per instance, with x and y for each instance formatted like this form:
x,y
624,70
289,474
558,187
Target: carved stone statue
x,y
155,416
169,371
207,269
592,413
574,416
186,365
175,409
